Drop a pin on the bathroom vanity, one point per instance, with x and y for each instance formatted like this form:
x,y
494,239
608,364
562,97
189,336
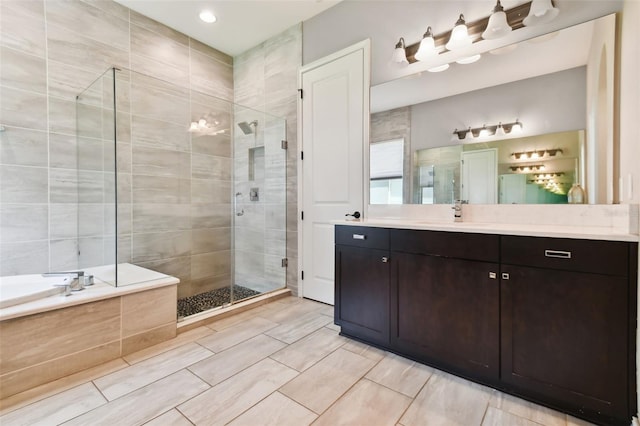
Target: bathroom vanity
x,y
545,318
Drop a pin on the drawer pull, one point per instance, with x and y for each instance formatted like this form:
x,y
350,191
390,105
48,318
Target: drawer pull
x,y
558,254
359,237
493,275
505,276
385,259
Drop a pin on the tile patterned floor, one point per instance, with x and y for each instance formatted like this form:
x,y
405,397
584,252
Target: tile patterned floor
x,y
279,364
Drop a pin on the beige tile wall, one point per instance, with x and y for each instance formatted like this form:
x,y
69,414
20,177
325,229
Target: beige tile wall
x,y
172,184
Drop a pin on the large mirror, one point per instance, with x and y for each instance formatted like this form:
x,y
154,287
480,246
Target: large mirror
x,y
522,125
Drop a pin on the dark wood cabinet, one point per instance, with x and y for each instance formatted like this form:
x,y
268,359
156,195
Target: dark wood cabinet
x,y
565,334
552,320
362,284
446,313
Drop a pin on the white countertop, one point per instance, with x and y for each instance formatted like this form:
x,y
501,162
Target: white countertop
x,y
553,231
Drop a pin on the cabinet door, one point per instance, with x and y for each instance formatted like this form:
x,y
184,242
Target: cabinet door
x,y
564,338
446,312
362,293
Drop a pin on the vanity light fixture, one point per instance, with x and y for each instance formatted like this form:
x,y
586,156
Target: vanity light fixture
x,y
399,56
532,155
427,49
526,168
208,17
548,175
541,12
499,129
497,26
466,33
459,35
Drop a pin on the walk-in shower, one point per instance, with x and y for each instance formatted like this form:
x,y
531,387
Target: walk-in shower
x,y
154,188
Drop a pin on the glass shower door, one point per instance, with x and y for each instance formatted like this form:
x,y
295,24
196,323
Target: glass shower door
x,y
260,194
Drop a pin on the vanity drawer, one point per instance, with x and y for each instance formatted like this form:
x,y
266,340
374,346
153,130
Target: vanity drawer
x,y
362,236
460,245
593,256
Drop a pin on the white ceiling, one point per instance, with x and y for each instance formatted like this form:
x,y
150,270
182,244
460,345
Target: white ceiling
x,y
241,25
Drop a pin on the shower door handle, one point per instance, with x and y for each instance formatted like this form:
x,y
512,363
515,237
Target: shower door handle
x,y
235,205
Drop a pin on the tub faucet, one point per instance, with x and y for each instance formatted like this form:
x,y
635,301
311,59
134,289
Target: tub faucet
x,y
75,280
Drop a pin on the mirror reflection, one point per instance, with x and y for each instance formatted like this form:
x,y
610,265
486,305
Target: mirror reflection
x,y
526,140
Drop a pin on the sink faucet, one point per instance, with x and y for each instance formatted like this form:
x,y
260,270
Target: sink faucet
x,y
457,210
75,280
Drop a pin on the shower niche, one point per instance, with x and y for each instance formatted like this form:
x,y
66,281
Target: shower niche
x,y
176,167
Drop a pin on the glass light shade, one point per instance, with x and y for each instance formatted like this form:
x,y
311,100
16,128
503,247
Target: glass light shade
x,y
459,36
469,59
497,26
541,12
517,127
500,131
399,56
208,17
202,123
439,68
484,132
427,47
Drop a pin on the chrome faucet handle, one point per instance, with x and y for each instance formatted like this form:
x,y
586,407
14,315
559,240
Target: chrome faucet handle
x,y
67,287
77,278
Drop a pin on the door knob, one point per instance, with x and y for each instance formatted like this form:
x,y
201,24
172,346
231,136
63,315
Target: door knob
x,y
355,215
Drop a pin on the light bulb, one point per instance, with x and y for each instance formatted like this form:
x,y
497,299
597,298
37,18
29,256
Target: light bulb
x,y
516,127
459,35
194,127
208,17
202,123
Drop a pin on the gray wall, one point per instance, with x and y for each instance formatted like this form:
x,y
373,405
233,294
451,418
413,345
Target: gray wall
x,y
384,22
265,78
51,50
547,104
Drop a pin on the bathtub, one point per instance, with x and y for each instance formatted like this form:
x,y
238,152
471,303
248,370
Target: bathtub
x,y
25,288
45,335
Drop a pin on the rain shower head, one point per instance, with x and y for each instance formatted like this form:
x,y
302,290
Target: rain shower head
x,y
246,127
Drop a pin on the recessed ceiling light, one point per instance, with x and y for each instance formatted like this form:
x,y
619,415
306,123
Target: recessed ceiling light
x,y
208,16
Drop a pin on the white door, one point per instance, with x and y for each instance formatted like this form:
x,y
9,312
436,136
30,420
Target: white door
x,y
480,176
334,128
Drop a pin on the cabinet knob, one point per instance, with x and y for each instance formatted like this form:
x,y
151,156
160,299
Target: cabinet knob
x,y
505,276
493,275
385,259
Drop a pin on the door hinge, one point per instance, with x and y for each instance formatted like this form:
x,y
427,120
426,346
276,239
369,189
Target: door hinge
x,y
301,215
284,144
302,155
302,275
285,262
301,93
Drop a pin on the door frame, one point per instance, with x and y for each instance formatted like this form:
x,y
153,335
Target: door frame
x,y
365,46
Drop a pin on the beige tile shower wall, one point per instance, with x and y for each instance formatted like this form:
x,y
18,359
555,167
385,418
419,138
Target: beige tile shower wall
x,y
265,78
173,187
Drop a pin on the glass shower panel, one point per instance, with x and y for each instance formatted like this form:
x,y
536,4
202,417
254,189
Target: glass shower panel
x,y
95,180
260,203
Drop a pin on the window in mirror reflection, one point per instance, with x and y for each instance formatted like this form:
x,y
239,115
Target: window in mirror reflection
x,y
386,173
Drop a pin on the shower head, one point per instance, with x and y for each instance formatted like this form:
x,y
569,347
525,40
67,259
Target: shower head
x,y
246,127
